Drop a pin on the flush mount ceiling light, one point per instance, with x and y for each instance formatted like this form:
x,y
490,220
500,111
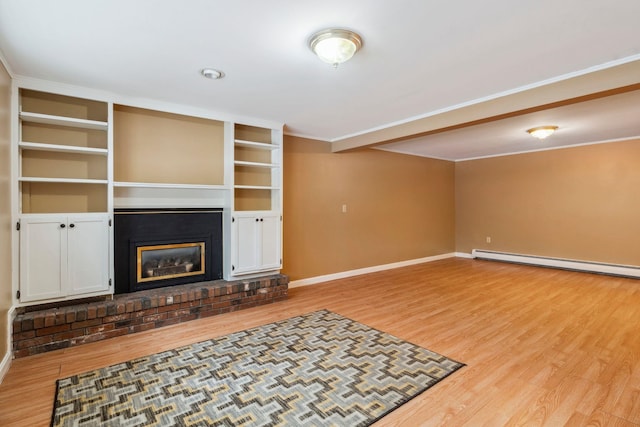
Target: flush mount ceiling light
x,y
541,132
212,74
334,45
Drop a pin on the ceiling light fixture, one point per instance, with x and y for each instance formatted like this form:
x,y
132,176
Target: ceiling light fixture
x,y
212,74
334,45
541,132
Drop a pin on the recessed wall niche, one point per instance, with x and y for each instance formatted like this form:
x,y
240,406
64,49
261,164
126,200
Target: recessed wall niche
x,y
157,147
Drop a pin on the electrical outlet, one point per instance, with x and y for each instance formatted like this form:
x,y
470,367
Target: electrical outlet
x,y
488,239
344,208
169,300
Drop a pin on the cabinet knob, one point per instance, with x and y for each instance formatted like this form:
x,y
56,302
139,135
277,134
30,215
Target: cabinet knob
x,y
71,225
257,220
261,219
62,225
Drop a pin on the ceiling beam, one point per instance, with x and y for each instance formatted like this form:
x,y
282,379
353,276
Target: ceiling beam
x,y
605,82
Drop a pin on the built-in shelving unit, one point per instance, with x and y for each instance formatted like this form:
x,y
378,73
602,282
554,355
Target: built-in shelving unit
x,y
257,164
256,218
63,154
78,159
64,198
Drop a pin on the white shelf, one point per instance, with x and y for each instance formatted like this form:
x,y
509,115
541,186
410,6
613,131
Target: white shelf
x,y
63,180
157,195
255,187
258,145
256,164
124,184
63,121
62,148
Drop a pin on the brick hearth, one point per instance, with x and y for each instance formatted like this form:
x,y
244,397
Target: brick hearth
x,y
54,328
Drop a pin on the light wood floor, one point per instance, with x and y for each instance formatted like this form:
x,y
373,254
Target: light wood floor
x,y
543,347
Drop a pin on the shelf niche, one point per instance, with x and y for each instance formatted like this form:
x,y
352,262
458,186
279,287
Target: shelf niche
x,y
46,164
253,134
252,199
166,148
55,197
63,135
245,175
32,101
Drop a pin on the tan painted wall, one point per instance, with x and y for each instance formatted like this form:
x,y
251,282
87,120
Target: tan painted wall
x,y
578,203
5,206
398,208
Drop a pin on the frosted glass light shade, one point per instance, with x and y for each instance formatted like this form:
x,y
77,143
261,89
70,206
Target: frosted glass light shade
x,y
335,46
542,132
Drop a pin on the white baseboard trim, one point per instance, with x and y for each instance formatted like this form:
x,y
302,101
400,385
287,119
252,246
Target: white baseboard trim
x,y
351,273
463,255
567,264
5,364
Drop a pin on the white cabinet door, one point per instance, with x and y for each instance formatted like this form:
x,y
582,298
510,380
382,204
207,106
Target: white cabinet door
x,y
88,254
63,256
256,245
43,248
270,241
246,251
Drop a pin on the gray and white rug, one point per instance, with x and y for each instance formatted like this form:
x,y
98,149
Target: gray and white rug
x,y
318,369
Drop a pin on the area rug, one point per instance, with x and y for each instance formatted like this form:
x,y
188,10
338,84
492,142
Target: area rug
x,y
318,369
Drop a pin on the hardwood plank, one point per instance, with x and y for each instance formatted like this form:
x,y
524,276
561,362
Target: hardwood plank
x,y
542,346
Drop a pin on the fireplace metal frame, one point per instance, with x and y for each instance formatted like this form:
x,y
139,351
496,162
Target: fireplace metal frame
x,y
139,266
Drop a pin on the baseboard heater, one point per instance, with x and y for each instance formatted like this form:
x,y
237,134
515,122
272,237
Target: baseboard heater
x,y
566,264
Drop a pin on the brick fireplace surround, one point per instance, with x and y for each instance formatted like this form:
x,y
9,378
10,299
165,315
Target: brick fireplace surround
x,y
53,328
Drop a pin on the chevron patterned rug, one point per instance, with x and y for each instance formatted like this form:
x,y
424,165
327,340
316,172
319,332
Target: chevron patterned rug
x,y
318,369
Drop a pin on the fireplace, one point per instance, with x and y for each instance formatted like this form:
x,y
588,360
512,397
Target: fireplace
x,y
159,248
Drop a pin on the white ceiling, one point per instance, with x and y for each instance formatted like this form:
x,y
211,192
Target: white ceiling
x,y
419,57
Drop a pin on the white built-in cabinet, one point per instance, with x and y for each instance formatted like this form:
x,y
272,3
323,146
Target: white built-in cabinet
x,y
63,256
79,157
63,164
257,242
256,224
